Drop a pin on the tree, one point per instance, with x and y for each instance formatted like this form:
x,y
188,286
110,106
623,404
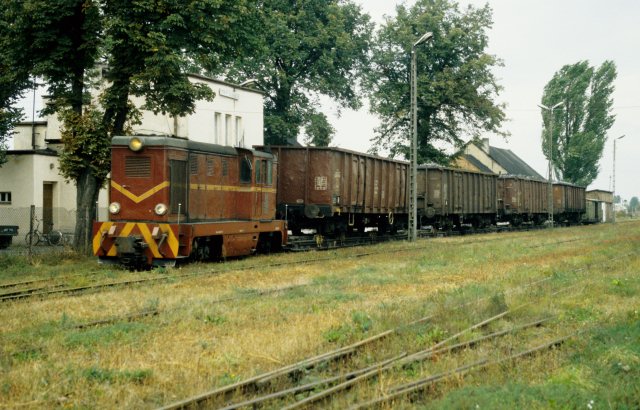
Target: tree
x,y
456,85
147,45
305,47
14,75
318,131
634,204
581,124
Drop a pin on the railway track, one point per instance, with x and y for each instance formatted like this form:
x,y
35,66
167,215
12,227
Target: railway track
x,y
257,391
70,290
329,387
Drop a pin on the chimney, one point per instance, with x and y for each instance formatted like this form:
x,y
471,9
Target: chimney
x,y
485,145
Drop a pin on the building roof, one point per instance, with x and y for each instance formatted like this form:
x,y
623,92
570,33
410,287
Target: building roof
x,y
474,161
512,163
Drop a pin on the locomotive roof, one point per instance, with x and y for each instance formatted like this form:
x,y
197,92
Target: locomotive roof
x,y
163,140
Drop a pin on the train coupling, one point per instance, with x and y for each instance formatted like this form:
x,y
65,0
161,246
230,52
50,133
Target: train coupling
x,y
131,251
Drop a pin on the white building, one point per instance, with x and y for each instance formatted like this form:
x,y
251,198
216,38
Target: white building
x,y
30,177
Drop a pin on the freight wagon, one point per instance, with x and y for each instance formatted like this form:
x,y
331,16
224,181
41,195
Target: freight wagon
x,y
569,203
336,191
449,197
522,200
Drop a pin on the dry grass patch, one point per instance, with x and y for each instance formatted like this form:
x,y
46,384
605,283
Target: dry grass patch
x,y
231,321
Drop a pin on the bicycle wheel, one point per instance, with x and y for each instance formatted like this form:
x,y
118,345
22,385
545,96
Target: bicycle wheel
x,y
55,237
32,238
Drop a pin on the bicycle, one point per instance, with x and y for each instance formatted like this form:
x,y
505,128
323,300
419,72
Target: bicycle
x,y
54,237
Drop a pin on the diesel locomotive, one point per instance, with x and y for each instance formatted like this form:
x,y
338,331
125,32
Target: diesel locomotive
x,y
173,199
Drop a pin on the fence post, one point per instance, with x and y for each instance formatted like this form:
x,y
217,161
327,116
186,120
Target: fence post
x,y
32,215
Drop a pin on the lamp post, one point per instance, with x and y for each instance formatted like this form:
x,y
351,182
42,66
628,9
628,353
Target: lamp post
x,y
413,205
614,176
550,190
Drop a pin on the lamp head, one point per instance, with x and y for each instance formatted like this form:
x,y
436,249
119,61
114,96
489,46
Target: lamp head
x,y
426,36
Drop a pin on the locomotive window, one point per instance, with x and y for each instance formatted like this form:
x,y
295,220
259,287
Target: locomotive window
x,y
178,186
210,167
245,170
269,172
259,171
194,165
137,166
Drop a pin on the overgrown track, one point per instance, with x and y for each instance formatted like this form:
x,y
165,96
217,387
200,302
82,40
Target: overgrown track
x,y
257,390
69,290
331,386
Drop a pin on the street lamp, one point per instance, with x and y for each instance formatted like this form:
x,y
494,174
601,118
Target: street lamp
x,y
413,205
550,193
614,176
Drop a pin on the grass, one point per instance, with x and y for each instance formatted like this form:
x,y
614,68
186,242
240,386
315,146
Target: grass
x,y
218,328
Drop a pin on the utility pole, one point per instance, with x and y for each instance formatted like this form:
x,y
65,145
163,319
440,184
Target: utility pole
x,y
550,189
413,154
614,176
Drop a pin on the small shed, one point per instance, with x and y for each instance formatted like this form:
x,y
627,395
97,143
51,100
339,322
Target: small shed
x,y
599,206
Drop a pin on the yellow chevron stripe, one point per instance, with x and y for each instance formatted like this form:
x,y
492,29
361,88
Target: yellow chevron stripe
x,y
153,246
230,188
98,236
172,241
138,198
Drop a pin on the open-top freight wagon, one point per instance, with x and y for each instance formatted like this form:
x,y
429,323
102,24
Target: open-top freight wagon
x,y
451,197
336,191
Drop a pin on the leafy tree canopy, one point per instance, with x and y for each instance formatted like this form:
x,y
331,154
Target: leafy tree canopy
x,y
581,123
147,45
456,85
318,131
304,48
634,205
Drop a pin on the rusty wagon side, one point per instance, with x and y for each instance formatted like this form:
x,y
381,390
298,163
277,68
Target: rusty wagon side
x,y
522,199
450,197
335,190
569,203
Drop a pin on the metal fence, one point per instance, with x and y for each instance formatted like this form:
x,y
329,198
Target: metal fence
x,y
34,222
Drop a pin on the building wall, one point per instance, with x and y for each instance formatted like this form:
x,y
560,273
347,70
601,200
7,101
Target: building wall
x,y
484,158
23,134
24,176
233,118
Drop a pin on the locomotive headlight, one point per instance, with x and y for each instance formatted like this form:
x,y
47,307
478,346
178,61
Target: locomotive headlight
x,y
114,208
160,209
135,144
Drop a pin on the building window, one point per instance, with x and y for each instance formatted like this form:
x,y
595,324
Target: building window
x,y
5,197
217,126
227,130
239,132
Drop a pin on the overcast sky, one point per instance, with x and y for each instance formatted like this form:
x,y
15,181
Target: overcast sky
x,y
535,38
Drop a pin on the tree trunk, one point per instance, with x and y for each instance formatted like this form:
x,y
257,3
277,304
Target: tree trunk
x,y
87,190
